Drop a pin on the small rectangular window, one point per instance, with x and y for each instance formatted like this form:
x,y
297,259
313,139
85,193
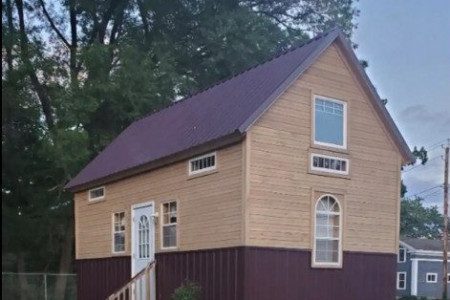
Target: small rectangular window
x,y
330,128
401,258
431,277
329,164
202,163
119,232
96,194
401,280
169,224
448,277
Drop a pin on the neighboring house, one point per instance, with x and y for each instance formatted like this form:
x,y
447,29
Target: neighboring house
x,y
282,182
420,268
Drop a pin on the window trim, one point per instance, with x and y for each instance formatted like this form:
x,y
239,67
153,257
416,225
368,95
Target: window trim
x,y
398,281
404,255
113,251
95,199
337,264
313,126
318,169
163,225
204,170
431,274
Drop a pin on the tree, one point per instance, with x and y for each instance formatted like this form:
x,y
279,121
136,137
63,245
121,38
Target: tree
x,y
418,221
75,73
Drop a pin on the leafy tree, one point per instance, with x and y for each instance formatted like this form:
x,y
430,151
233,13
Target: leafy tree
x,y
418,221
75,73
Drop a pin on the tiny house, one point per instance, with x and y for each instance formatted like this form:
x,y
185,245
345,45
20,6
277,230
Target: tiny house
x,y
282,182
420,269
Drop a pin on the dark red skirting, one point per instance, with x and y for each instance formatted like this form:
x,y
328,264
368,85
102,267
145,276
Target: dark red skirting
x,y
247,273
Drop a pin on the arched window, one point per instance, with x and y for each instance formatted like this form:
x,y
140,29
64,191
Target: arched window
x,y
144,237
327,241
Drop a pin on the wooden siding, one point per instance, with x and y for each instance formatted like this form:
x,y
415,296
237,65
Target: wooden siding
x,y
209,207
279,206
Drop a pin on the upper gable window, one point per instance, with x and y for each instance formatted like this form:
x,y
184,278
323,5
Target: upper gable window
x,y
330,118
97,194
203,163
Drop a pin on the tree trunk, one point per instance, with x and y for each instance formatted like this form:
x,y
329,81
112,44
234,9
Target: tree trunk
x,y
40,90
23,283
65,262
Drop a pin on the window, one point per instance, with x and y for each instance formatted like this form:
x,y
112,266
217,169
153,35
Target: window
x,y
169,225
448,277
202,164
143,237
119,232
96,194
329,164
327,245
401,280
330,122
401,257
431,277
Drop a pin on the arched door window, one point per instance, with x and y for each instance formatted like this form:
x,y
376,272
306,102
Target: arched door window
x,y
144,237
327,243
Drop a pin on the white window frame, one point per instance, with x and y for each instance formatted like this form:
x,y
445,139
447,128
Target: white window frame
x,y
337,264
344,128
398,280
208,169
318,169
113,232
170,224
431,274
401,249
94,199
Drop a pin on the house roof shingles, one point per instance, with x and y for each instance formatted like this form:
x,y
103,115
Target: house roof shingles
x,y
226,108
424,244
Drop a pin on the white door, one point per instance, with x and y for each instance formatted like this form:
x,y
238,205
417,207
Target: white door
x,y
142,237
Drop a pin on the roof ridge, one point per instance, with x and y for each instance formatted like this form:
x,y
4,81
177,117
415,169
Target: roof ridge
x,y
269,59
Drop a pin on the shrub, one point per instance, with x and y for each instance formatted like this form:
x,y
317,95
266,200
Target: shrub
x,y
187,291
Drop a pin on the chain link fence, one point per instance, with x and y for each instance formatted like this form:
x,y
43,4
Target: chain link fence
x,y
38,286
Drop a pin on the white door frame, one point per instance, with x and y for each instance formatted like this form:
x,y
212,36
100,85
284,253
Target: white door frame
x,y
133,224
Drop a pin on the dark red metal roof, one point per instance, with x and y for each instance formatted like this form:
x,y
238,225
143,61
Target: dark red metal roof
x,y
226,108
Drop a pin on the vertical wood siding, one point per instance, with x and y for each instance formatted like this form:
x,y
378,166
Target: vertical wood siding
x,y
281,186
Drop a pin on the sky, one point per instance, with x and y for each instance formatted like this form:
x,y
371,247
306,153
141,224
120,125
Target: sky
x,y
407,45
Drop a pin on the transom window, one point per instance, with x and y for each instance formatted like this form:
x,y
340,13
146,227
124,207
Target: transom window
x,y
327,245
144,237
329,164
401,255
401,280
202,163
431,277
330,122
96,194
119,232
169,224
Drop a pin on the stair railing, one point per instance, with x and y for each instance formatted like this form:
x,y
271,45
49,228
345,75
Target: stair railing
x,y
138,287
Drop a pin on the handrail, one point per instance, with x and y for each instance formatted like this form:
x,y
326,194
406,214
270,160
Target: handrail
x,y
127,289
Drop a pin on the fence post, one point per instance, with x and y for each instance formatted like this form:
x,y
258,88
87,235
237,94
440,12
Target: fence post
x,y
45,286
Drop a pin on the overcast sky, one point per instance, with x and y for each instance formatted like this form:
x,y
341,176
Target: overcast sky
x,y
407,45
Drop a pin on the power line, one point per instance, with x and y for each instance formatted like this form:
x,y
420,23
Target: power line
x,y
421,165
426,190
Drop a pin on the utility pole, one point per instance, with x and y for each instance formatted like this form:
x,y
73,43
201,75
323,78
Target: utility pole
x,y
445,235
